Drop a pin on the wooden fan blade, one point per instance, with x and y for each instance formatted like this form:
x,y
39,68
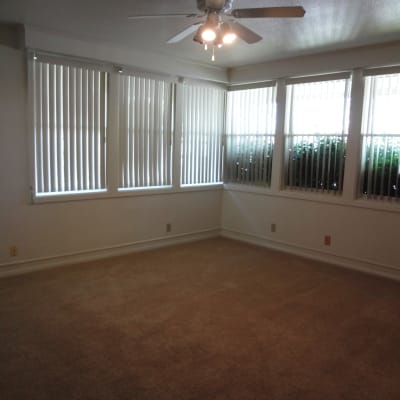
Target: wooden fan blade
x,y
245,33
270,12
185,33
148,16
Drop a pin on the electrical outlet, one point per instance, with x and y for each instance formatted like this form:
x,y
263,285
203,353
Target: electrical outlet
x,y
168,227
273,228
13,251
327,240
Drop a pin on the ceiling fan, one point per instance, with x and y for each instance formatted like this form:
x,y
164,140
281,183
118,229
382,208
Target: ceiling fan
x,y
216,23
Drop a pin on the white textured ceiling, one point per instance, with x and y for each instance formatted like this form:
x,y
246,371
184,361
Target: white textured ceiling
x,y
327,25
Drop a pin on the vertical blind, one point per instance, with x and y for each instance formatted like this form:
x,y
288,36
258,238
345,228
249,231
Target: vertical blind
x,y
201,140
381,136
250,133
317,120
145,124
70,115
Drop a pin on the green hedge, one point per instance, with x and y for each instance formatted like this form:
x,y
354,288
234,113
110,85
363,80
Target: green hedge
x,y
316,162
381,167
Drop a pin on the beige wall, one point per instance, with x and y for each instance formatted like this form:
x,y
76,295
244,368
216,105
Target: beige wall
x,y
359,235
364,232
363,235
54,229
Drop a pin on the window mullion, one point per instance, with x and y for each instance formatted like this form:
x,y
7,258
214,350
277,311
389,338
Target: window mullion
x,y
353,158
279,146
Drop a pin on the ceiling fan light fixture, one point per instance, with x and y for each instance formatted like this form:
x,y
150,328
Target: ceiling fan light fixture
x,y
218,42
228,36
216,24
208,34
198,37
209,29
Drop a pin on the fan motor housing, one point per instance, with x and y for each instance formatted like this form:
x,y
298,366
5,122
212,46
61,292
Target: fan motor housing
x,y
214,5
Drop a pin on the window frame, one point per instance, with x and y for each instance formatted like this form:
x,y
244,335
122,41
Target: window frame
x,y
268,136
64,61
179,129
164,80
363,136
112,189
345,76
350,197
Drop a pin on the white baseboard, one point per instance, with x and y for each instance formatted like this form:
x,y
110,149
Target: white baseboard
x,y
25,266
366,266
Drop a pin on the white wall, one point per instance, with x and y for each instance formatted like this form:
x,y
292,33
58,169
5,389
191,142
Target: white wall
x,y
364,232
361,237
54,229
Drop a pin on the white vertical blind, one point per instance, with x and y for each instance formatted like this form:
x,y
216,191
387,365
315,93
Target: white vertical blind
x,y
250,135
145,128
203,111
70,117
317,121
381,136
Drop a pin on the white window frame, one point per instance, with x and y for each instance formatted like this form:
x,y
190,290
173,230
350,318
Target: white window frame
x,y
204,179
163,108
268,136
290,137
62,66
112,174
365,136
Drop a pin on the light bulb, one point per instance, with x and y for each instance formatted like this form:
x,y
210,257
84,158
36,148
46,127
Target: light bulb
x,y
229,38
208,35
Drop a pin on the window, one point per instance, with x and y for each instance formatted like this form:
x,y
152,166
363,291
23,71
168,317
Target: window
x,y
69,115
381,137
203,110
316,127
250,133
145,127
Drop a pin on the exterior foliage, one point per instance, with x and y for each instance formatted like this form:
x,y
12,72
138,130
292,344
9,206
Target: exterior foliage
x,y
316,162
381,166
249,159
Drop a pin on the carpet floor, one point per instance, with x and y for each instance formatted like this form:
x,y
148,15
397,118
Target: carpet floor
x,y
216,319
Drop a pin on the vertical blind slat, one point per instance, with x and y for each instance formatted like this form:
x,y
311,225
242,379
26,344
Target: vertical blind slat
x,y
46,142
66,129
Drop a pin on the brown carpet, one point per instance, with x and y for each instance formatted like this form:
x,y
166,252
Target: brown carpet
x,y
216,319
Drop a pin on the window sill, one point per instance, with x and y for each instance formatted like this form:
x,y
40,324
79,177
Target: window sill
x,y
122,193
201,187
318,197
